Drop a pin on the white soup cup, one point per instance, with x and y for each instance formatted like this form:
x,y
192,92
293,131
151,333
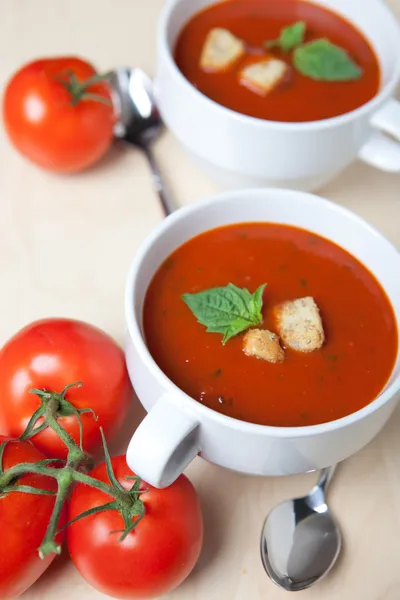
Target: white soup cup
x,y
178,427
241,151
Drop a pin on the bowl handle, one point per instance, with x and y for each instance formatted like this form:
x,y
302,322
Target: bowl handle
x,y
380,150
165,442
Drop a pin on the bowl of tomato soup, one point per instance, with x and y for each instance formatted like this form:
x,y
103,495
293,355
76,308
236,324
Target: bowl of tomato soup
x,y
279,92
262,335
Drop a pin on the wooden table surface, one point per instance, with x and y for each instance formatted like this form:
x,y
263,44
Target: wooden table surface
x,y
65,247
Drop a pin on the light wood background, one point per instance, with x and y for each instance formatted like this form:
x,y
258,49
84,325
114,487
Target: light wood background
x,y
65,247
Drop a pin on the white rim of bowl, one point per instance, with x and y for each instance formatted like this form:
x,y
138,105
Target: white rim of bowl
x,y
138,339
378,99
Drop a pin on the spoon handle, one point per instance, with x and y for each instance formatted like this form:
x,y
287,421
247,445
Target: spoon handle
x,y
166,203
326,477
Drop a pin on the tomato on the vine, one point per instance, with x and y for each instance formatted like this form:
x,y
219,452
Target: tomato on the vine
x,y
49,355
23,518
155,557
58,113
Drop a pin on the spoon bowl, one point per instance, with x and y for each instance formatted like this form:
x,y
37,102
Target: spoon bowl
x,y
139,123
300,539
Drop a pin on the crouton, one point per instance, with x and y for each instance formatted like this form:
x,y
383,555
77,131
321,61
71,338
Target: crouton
x,y
221,50
263,76
263,344
299,324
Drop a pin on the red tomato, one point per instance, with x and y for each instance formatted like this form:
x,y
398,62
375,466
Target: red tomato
x,y
24,519
47,125
155,557
49,355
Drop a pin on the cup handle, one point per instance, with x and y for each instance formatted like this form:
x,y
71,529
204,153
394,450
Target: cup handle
x,y
387,119
380,151
165,442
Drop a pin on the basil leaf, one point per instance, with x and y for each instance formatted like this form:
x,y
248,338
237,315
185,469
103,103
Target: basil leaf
x,y
257,302
323,61
227,310
290,37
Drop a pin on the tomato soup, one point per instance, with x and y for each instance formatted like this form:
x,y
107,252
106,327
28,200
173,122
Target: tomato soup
x,y
297,98
344,375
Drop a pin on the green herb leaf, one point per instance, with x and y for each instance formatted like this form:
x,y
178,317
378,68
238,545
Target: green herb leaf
x,y
290,37
323,61
227,310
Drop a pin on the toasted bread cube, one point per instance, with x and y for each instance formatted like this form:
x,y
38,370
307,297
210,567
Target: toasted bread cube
x,y
299,324
263,344
221,50
263,76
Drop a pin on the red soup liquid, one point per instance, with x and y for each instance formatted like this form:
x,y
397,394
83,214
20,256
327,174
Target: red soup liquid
x,y
299,98
346,374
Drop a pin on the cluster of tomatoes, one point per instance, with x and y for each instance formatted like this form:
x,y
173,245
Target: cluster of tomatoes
x,y
58,113
153,558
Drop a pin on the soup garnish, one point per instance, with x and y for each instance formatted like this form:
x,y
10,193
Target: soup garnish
x,y
289,37
323,61
228,310
283,60
299,324
322,346
263,344
231,310
318,59
263,76
221,50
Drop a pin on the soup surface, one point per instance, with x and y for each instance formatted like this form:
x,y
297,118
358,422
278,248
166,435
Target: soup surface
x,y
298,98
346,374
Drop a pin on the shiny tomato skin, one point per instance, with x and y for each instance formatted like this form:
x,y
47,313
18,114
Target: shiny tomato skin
x,y
23,520
44,126
155,557
51,354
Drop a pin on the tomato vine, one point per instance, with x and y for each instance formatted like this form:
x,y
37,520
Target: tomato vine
x,y
73,470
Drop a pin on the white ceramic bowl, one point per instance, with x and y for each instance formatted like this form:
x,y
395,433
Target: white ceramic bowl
x,y
241,151
177,427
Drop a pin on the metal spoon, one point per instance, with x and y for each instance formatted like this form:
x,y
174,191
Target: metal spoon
x,y
139,121
300,539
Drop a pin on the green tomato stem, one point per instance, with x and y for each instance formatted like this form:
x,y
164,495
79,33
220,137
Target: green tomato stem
x,y
53,406
127,502
49,544
67,475
122,497
78,90
9,476
75,454
52,422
